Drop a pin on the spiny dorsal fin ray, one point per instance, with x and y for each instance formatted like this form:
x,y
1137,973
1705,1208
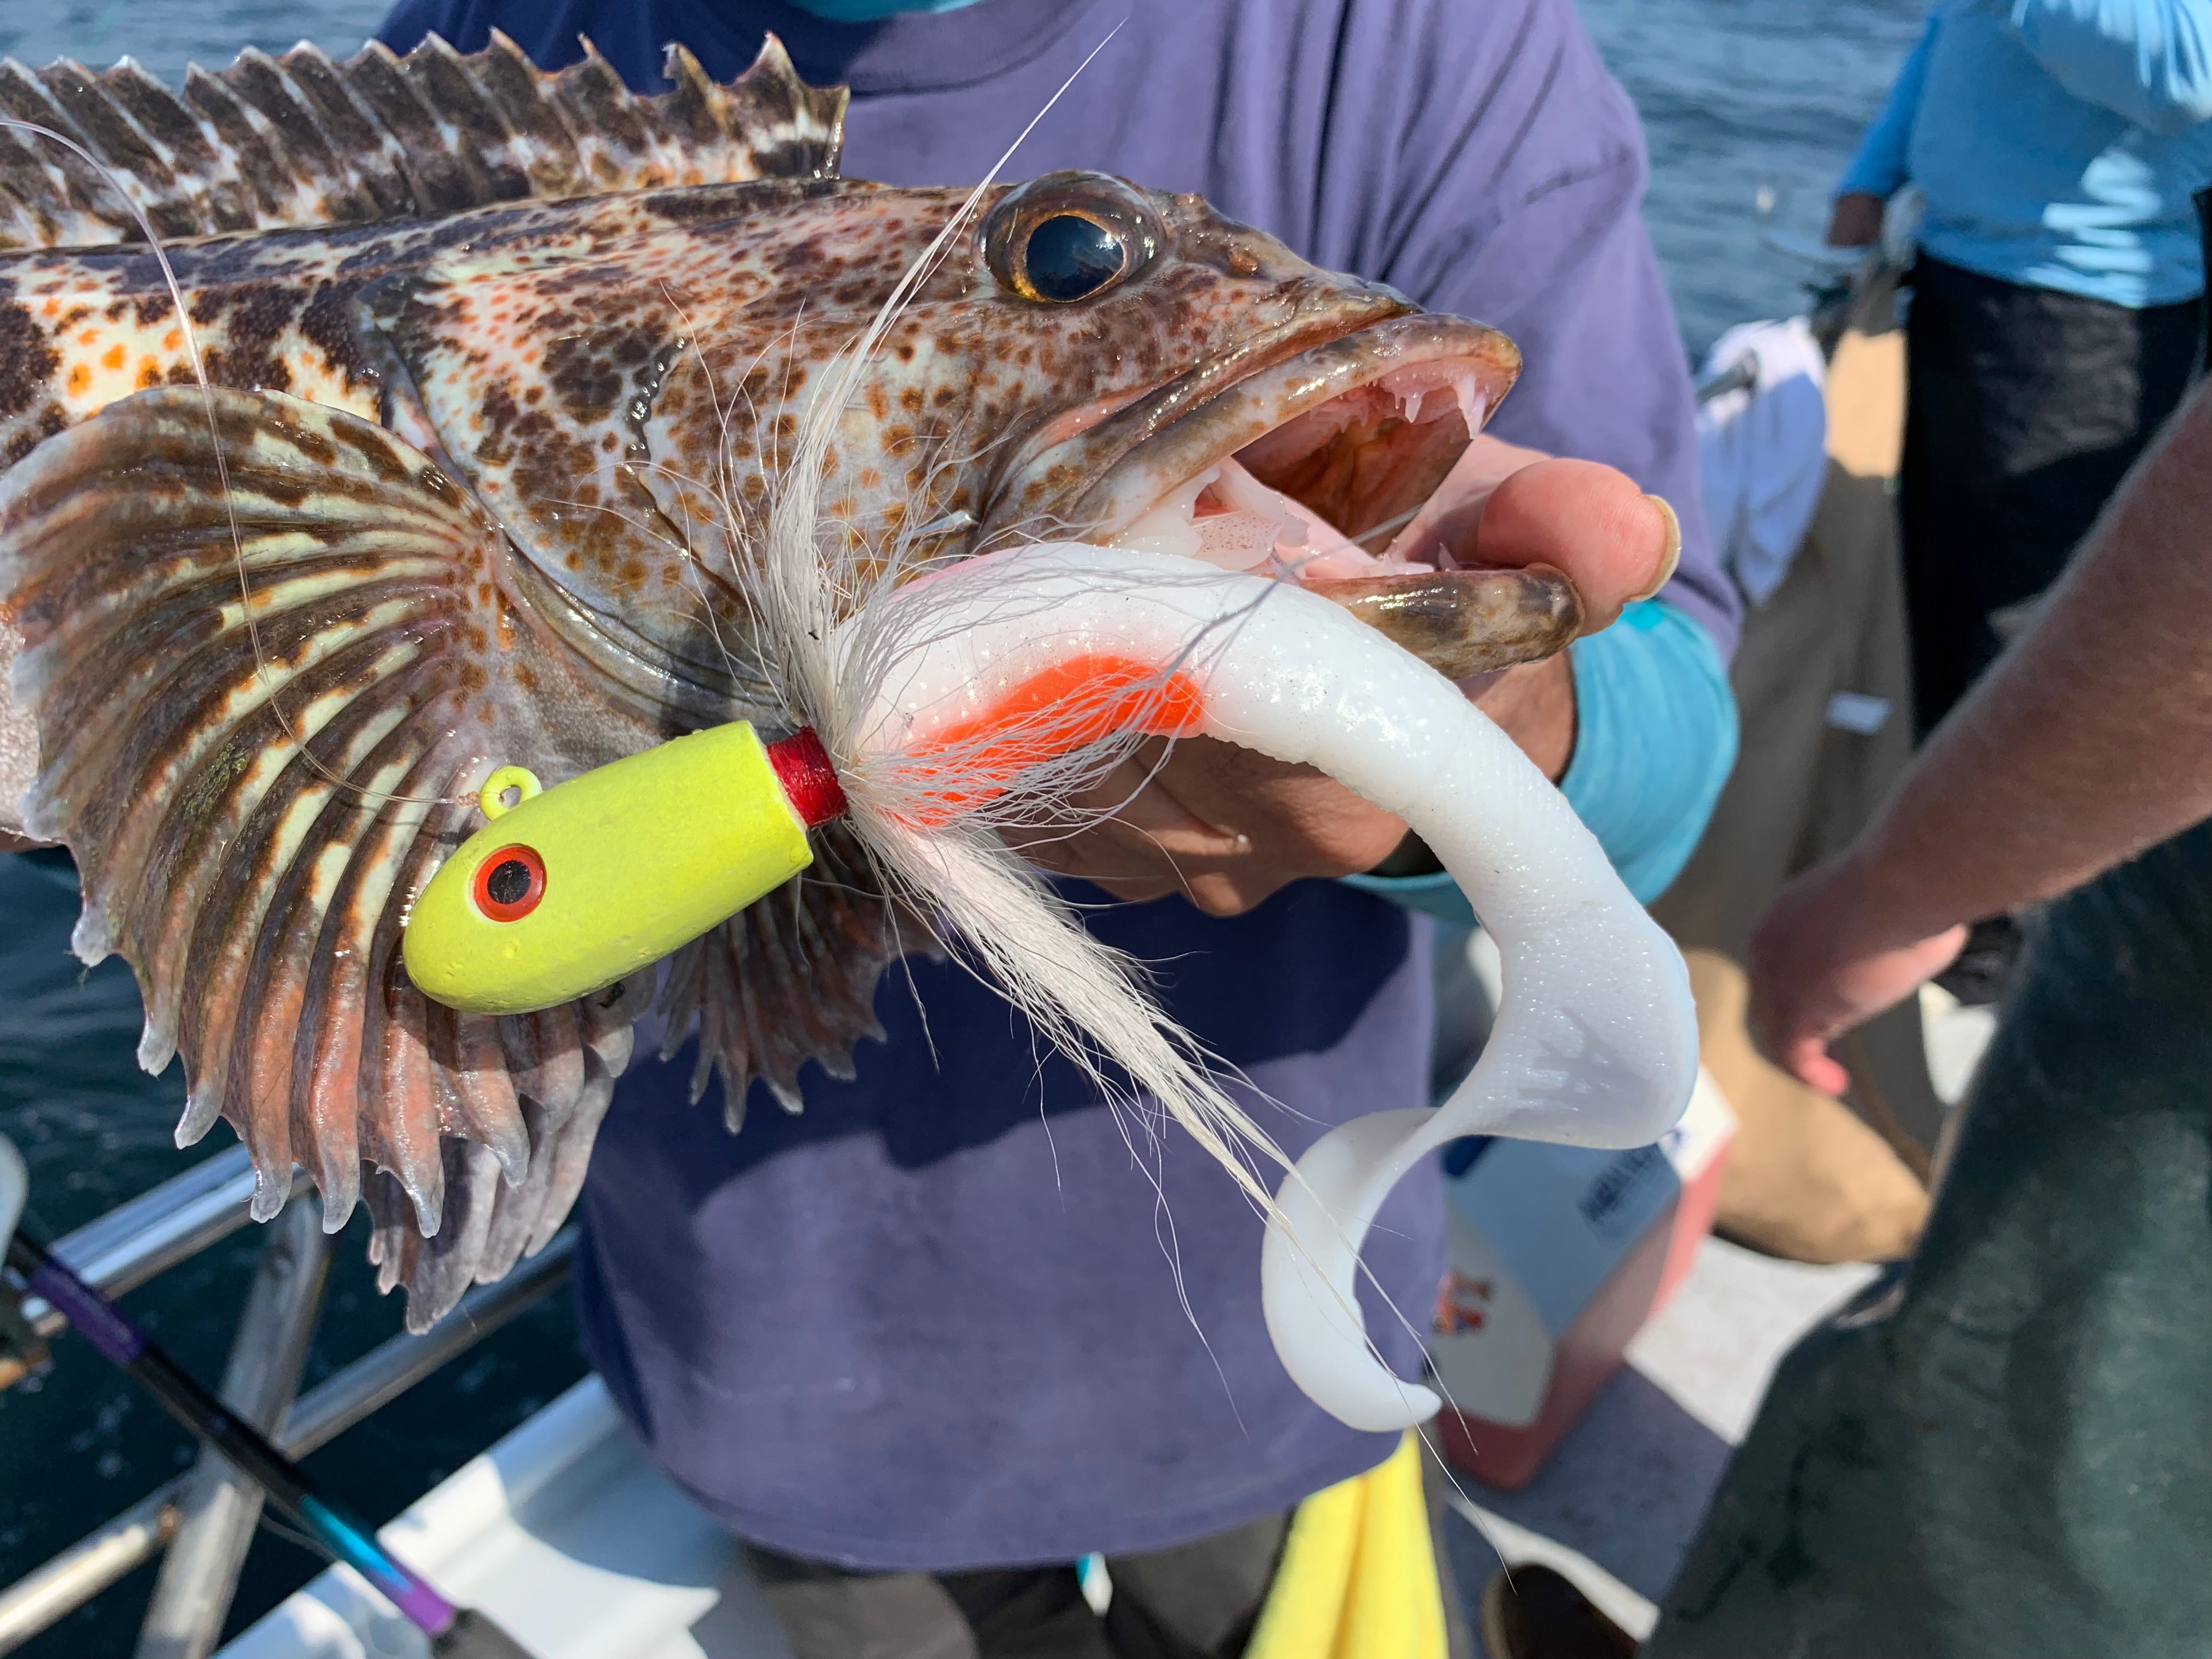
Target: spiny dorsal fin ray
x,y
252,824
297,141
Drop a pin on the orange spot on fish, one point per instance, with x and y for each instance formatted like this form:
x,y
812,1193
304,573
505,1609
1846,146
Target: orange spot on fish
x,y
115,357
80,380
173,340
1078,701
90,337
149,374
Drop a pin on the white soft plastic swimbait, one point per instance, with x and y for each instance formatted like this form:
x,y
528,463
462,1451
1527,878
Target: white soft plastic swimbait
x,y
1596,1040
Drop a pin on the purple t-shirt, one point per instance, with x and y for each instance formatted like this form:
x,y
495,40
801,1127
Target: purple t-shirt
x,y
956,1313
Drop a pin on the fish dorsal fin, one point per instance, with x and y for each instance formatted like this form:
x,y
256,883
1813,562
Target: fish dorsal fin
x,y
298,140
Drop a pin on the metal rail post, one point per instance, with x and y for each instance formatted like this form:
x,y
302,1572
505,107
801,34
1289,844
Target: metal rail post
x,y
219,1507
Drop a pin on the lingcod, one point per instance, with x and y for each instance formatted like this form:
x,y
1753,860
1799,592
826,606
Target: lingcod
x,y
483,381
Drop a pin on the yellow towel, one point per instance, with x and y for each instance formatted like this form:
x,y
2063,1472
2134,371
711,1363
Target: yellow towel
x,y
1358,1574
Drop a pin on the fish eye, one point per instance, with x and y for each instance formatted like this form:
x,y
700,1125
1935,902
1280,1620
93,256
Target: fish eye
x,y
1071,256
509,884
1069,236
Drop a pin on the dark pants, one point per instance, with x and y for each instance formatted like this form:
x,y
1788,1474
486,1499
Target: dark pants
x,y
1199,1600
2024,410
2005,1453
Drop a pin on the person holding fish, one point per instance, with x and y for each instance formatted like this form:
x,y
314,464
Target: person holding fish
x,y
918,1328
522,424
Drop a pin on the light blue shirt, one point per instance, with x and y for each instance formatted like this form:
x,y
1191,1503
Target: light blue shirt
x,y
2057,143
1655,740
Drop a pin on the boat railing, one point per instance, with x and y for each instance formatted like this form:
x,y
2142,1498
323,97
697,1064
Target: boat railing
x,y
205,1518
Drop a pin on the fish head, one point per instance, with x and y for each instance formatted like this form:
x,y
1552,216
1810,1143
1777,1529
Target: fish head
x,y
1210,344
1074,357
1076,362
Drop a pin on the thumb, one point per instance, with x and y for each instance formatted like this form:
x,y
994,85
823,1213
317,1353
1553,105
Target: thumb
x,y
1591,521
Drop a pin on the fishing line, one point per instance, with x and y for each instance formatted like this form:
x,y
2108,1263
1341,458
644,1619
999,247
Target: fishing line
x,y
1389,525
221,468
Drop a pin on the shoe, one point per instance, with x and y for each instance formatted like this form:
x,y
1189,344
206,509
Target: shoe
x,y
1983,969
1538,1614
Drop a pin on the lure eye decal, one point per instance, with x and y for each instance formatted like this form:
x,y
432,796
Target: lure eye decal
x,y
509,884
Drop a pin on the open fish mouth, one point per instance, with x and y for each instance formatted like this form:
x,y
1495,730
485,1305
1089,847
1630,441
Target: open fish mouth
x,y
1312,464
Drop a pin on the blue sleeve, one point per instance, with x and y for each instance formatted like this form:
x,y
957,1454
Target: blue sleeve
x,y
1879,168
2149,60
1655,739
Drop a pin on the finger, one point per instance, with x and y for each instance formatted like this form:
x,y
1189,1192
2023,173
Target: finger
x,y
1226,892
1133,869
1140,840
1807,1060
1591,521
1446,525
1126,863
1133,889
1139,794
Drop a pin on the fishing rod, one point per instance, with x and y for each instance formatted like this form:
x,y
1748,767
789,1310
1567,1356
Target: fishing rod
x,y
454,1632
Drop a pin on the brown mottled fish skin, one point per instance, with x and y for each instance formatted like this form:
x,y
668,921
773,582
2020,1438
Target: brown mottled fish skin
x,y
1524,614
504,368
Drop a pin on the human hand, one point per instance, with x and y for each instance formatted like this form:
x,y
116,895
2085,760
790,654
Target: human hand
x,y
1228,827
1828,956
1856,220
1506,506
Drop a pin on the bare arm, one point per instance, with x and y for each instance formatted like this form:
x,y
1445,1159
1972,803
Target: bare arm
x,y
2090,741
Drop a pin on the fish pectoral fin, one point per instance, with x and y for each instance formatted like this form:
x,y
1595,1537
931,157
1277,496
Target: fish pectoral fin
x,y
272,651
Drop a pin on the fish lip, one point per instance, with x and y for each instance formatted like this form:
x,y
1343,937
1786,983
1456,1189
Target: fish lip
x,y
1128,460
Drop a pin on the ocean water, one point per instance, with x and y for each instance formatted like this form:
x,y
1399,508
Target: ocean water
x,y
1739,97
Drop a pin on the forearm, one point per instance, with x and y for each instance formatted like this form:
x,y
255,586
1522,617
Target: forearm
x,y
2092,739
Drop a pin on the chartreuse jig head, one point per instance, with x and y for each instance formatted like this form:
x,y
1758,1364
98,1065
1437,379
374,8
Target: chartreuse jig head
x,y
572,888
